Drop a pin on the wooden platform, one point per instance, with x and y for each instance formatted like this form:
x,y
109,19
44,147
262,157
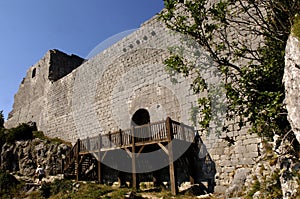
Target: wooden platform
x,y
87,155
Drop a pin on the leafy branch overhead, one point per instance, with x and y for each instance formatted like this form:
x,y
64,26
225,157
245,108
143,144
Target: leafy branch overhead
x,y
1,119
246,41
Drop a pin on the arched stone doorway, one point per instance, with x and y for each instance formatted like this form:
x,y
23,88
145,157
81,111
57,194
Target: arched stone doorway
x,y
140,117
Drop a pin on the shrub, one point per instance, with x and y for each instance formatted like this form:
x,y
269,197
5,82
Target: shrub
x,y
45,190
8,183
38,134
63,186
21,132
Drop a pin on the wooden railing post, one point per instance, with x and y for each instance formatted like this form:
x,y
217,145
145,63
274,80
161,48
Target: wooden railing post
x,y
100,178
149,132
135,183
169,129
183,132
88,144
121,139
109,138
172,169
77,150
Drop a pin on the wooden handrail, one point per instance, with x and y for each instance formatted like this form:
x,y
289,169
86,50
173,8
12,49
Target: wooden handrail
x,y
70,156
157,131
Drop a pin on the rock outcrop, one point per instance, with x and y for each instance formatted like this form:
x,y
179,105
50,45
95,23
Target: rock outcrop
x,y
292,83
22,157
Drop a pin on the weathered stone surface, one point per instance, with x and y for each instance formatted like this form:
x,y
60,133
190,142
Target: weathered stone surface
x,y
237,182
292,83
23,157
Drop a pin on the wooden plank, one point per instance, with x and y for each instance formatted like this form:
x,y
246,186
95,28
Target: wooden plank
x,y
99,164
128,152
133,163
121,140
141,149
172,169
103,156
77,167
163,148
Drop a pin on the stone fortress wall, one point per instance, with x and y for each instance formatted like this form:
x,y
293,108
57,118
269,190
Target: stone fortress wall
x,y
71,98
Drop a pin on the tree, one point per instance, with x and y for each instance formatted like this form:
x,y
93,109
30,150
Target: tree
x,y
1,119
246,41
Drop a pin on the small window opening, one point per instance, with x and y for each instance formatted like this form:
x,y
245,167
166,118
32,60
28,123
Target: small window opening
x,y
33,73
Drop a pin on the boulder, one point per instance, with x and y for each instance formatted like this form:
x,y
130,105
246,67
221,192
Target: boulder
x,y
291,81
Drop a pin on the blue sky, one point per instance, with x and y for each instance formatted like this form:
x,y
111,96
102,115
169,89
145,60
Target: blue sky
x,y
28,29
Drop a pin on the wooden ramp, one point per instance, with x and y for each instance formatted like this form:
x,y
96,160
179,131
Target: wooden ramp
x,y
85,160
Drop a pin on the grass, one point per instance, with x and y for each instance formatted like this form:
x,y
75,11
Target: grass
x,y
66,190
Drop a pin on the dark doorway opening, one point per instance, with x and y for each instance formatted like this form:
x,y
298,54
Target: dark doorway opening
x,y
140,117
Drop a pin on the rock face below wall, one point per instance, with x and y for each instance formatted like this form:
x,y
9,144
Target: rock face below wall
x,y
292,83
23,157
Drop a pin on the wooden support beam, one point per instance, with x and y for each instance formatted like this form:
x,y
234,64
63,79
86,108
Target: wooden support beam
x,y
77,160
141,149
135,183
102,158
99,164
163,148
121,139
172,169
128,152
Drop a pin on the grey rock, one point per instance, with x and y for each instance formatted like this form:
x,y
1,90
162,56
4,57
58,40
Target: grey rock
x,y
292,83
238,181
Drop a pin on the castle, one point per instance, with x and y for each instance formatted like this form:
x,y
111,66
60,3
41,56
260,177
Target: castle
x,y
70,98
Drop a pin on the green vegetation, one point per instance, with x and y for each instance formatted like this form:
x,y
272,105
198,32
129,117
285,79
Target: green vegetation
x,y
64,189
21,132
1,120
24,132
40,135
296,26
8,185
254,188
246,41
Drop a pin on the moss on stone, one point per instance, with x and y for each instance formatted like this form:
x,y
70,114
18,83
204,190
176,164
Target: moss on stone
x,y
296,27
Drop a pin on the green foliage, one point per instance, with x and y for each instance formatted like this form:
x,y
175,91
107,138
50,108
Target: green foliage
x,y
246,41
2,136
8,184
63,186
40,135
21,132
45,190
296,26
60,187
64,189
254,188
269,186
1,120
